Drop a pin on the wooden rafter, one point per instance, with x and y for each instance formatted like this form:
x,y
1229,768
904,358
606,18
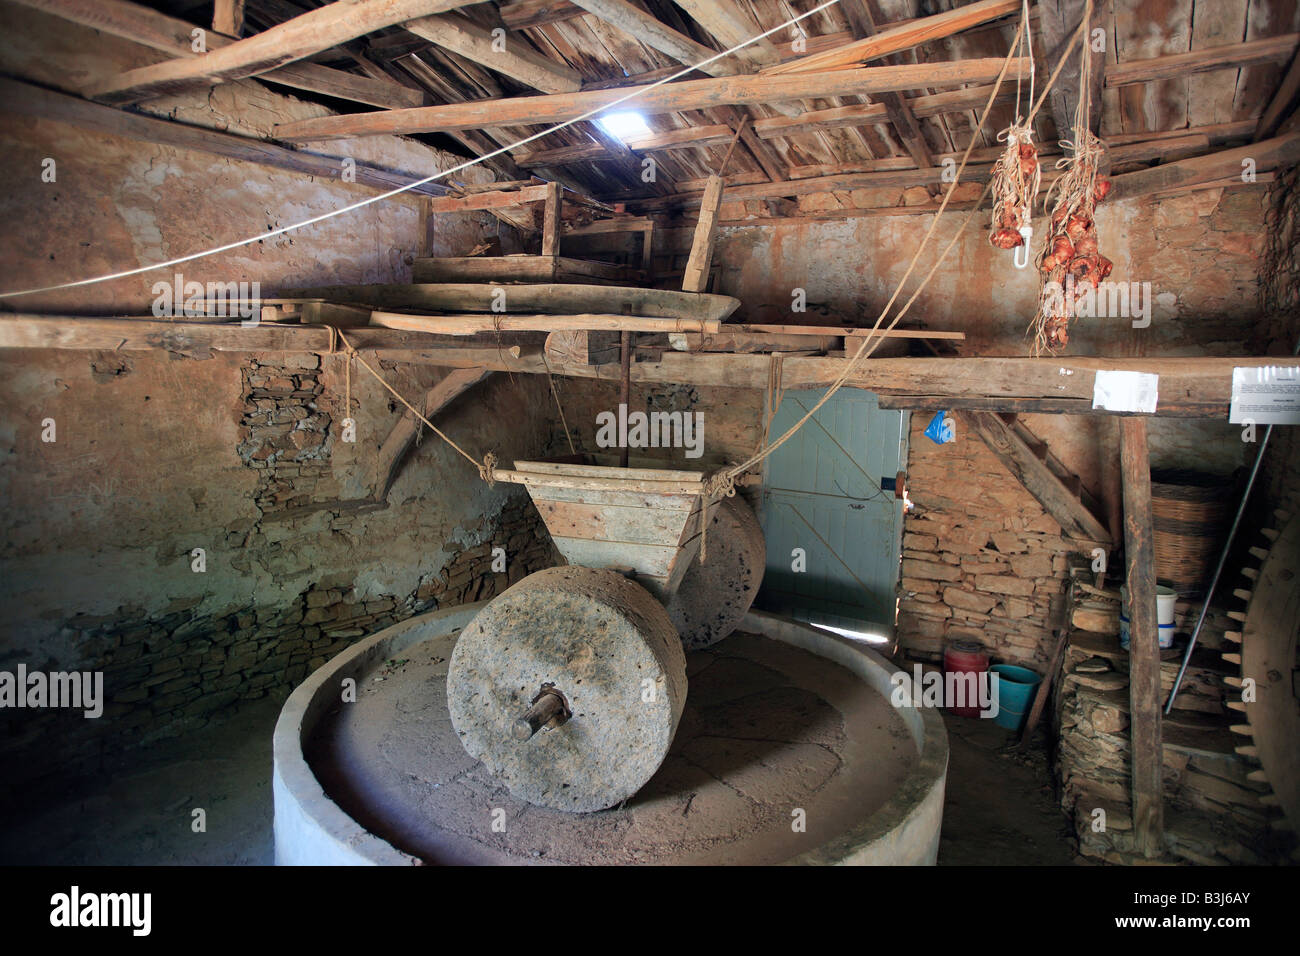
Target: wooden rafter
x,y
515,58
158,31
317,30
902,36
671,97
25,100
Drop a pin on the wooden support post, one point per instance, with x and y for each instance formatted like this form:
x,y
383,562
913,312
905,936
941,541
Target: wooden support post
x,y
551,220
648,250
697,265
1144,643
625,385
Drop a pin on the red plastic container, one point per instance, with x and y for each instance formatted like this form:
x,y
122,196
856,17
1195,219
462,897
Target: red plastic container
x,y
965,657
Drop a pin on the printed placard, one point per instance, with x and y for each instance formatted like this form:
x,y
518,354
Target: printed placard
x,y
1265,395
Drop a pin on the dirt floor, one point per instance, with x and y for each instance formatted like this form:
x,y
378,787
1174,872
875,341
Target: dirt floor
x,y
999,810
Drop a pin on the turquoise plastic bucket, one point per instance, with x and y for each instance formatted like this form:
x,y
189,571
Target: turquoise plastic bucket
x,y
1016,687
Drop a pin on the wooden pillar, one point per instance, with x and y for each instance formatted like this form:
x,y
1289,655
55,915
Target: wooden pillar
x,y
551,220
1144,643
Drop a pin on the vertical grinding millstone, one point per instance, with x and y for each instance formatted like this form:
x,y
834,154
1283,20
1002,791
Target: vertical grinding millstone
x,y
715,594
609,648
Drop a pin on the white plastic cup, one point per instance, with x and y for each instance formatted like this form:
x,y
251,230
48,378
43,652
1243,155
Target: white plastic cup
x,y
1165,598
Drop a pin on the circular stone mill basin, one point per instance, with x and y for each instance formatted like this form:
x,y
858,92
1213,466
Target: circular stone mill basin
x,y
780,718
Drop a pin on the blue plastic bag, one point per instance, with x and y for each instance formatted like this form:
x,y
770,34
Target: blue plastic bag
x,y
940,431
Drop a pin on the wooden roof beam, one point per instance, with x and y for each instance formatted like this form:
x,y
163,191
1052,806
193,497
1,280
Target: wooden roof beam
x,y
317,30
26,100
1276,49
654,33
903,36
730,26
688,138
1283,103
515,58
158,31
527,14
671,97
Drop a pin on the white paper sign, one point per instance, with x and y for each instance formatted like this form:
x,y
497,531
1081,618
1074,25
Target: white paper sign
x,y
1126,391
1265,395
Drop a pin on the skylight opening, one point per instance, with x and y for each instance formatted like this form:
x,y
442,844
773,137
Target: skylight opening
x,y
624,126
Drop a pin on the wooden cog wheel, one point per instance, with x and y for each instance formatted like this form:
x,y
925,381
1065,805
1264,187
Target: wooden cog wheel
x,y
1269,638
569,686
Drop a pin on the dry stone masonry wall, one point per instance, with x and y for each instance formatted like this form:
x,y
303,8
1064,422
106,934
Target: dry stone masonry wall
x,y
981,559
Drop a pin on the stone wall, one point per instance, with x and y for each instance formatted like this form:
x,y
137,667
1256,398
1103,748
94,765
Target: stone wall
x,y
198,531
1278,335
1214,813
981,559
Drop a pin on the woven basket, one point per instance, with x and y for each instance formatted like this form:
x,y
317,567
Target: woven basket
x,y
1191,512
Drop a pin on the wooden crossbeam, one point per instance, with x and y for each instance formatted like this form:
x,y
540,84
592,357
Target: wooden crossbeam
x,y
903,36
671,97
1276,49
515,58
1189,387
314,31
23,99
1279,152
158,31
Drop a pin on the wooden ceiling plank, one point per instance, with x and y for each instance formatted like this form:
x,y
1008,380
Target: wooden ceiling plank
x,y
317,30
515,58
672,97
687,138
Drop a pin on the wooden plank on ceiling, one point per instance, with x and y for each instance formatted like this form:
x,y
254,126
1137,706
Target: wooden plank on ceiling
x,y
1276,153
528,14
314,31
688,137
672,97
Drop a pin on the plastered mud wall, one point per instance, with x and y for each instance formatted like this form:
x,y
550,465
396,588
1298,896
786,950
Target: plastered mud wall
x,y
196,529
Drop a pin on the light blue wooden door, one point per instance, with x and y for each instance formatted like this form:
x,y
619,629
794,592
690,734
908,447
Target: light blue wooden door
x,y
822,495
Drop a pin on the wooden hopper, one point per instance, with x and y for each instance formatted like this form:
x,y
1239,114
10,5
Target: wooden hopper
x,y
645,520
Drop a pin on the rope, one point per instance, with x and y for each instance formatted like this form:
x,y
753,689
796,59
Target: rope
x,y
560,408
272,233
724,481
486,468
